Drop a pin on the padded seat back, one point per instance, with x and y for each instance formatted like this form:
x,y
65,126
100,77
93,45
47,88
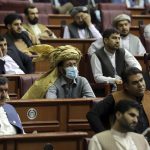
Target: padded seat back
x,y
112,6
108,16
26,82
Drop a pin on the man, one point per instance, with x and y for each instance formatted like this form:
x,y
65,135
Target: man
x,y
133,89
62,80
147,31
16,36
62,6
128,41
121,136
82,26
9,119
33,27
12,61
109,62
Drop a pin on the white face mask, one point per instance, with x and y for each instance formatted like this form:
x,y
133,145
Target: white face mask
x,y
71,72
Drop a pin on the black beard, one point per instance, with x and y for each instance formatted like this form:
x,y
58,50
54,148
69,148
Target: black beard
x,y
34,21
80,26
17,35
124,35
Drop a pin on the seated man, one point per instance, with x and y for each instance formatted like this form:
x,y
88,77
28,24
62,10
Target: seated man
x,y
9,119
33,27
128,41
16,36
82,26
147,31
62,81
109,62
133,89
121,135
61,6
13,61
135,3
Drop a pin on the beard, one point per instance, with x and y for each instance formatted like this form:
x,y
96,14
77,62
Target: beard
x,y
33,21
128,127
80,26
17,35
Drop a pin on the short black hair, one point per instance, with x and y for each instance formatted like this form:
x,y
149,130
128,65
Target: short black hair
x,y
26,12
129,72
8,20
124,105
108,32
3,80
2,38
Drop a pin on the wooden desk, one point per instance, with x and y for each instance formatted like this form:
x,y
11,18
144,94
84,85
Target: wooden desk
x,y
46,115
137,18
57,19
81,44
136,11
59,140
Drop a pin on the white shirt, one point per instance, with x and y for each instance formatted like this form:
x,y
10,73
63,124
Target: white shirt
x,y
5,127
82,34
138,51
122,140
97,67
147,31
10,66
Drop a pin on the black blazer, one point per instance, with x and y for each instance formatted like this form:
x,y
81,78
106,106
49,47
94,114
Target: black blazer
x,y
21,59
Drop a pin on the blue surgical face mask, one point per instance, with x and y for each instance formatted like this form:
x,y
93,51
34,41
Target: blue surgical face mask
x,y
71,72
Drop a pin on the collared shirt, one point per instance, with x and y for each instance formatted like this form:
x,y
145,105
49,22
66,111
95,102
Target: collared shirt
x,y
139,49
5,127
78,89
82,34
97,67
123,141
147,31
10,66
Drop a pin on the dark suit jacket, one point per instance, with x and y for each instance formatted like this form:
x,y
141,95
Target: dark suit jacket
x,y
98,117
21,59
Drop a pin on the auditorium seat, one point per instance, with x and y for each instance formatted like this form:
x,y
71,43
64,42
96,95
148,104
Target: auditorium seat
x,y
19,84
18,6
44,8
112,6
4,13
107,17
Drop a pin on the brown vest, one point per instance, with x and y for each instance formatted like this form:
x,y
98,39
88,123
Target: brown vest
x,y
120,95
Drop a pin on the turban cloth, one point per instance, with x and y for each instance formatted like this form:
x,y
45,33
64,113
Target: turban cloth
x,y
54,56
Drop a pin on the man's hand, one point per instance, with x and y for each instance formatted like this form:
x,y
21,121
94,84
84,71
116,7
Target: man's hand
x,y
118,81
87,19
1,54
